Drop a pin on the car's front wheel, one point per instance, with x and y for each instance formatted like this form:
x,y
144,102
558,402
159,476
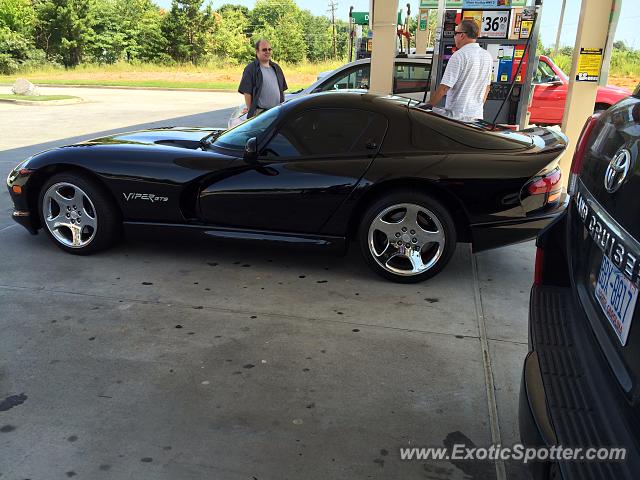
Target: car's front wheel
x,y
407,237
78,214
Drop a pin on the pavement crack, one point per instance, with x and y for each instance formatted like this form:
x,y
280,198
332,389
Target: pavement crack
x,y
502,340
496,439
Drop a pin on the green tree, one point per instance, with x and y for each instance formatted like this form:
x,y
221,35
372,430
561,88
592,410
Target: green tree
x,y
342,39
151,43
18,16
127,30
567,51
620,45
110,37
230,38
17,51
268,13
541,50
189,30
317,35
17,24
229,6
280,22
64,29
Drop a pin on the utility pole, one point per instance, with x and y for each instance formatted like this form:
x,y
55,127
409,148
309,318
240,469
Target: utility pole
x,y
555,50
351,33
332,8
613,25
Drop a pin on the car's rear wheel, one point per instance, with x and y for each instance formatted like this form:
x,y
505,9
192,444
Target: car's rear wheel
x,y
407,237
78,214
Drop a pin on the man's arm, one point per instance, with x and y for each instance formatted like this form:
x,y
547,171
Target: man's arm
x,y
247,101
449,79
440,92
486,93
246,86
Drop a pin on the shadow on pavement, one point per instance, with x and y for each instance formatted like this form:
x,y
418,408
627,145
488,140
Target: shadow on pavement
x,y
213,119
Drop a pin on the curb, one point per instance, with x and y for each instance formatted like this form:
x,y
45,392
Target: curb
x,y
49,103
115,87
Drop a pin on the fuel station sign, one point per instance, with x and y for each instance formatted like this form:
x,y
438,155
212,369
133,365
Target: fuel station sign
x,y
492,23
360,18
495,24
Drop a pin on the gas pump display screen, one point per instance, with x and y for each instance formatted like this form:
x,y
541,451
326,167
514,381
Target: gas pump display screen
x,y
492,23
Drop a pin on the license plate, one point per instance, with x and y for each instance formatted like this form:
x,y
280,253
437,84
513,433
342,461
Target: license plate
x,y
617,296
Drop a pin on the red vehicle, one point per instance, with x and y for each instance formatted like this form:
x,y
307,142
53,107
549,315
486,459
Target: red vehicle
x,y
550,92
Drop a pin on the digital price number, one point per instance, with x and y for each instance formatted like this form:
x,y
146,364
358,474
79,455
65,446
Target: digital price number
x,y
495,24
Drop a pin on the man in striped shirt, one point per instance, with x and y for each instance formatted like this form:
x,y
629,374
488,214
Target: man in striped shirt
x,y
467,77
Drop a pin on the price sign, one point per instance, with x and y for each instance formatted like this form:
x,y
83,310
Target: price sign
x,y
495,24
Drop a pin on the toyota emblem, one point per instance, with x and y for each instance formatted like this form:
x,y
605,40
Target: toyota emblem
x,y
617,170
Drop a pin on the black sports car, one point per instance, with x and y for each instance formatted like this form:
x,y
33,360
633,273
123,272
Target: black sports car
x,y
404,182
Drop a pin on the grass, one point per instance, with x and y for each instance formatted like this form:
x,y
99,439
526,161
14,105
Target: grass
x,y
221,75
215,75
35,98
624,70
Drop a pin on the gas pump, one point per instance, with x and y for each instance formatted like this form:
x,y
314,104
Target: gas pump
x,y
363,44
509,32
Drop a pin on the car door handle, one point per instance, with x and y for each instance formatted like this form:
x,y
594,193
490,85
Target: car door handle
x,y
371,146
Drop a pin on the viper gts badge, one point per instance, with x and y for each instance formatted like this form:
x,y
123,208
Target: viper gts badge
x,y
144,196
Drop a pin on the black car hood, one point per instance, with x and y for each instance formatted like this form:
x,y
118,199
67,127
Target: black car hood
x,y
181,137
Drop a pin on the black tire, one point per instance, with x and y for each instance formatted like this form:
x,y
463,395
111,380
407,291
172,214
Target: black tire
x,y
433,255
102,223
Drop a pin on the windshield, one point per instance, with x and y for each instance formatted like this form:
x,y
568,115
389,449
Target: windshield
x,y
236,138
561,73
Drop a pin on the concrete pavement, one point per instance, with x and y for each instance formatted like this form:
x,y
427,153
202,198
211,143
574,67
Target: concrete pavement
x,y
186,358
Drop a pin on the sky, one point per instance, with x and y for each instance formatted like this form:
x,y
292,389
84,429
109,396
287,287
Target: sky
x,y
629,17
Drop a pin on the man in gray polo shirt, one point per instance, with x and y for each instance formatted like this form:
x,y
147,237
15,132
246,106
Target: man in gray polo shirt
x,y
263,83
467,77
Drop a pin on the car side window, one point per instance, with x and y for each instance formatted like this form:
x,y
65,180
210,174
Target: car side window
x,y
328,132
410,77
357,78
544,73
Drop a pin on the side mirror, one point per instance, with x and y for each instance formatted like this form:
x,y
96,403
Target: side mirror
x,y
251,151
555,80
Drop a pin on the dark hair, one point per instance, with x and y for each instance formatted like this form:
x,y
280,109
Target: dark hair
x,y
470,28
260,40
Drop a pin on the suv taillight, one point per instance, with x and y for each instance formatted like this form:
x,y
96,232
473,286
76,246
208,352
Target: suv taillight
x,y
581,149
537,273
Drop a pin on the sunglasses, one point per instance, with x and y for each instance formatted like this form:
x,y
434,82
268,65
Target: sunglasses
x,y
266,50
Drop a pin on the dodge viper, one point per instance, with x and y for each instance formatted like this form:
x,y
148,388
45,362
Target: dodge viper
x,y
403,182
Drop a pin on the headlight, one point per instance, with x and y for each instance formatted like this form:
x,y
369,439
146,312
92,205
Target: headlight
x,y
16,171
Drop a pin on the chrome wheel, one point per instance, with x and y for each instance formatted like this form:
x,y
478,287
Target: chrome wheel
x,y
69,215
406,239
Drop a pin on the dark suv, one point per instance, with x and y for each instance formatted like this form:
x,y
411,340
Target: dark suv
x,y
581,378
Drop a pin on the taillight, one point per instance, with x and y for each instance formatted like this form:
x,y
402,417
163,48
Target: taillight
x,y
581,149
537,273
546,184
